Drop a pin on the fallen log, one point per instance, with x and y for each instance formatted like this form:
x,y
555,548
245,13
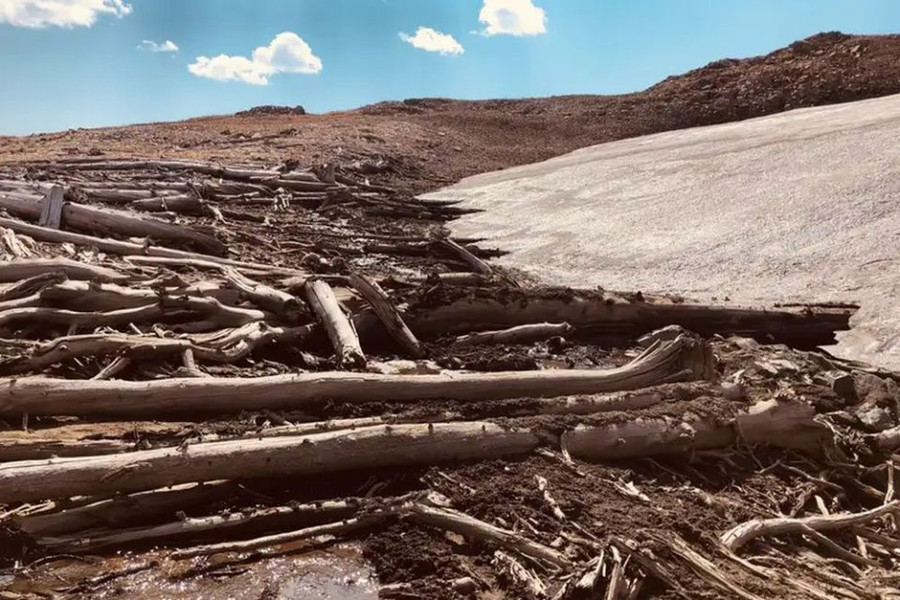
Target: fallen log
x,y
83,296
390,318
372,447
455,250
772,423
17,270
340,331
516,335
261,518
681,359
45,234
89,218
124,510
33,448
594,314
330,529
284,305
31,286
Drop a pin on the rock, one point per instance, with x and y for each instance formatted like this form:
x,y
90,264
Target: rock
x,y
875,418
465,586
841,383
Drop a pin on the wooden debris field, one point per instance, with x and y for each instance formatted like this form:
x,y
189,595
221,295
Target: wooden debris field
x,y
228,361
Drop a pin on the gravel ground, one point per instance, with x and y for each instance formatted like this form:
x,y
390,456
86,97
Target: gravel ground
x,y
800,206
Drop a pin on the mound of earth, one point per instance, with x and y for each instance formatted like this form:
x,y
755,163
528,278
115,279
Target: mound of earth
x,y
268,110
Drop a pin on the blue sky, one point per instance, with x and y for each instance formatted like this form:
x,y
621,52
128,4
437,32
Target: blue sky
x,y
77,63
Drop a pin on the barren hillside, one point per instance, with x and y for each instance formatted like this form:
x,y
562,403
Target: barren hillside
x,y
430,142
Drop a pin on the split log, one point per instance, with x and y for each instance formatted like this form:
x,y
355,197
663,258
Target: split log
x,y
340,331
284,305
373,447
390,318
679,360
121,510
802,329
738,537
45,234
463,524
521,334
773,423
89,218
457,251
52,208
17,270
262,518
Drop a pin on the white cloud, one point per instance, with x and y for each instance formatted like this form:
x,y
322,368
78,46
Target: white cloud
x,y
430,40
150,46
59,13
287,53
512,17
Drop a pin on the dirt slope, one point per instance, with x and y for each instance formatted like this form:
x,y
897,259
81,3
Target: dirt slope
x,y
432,142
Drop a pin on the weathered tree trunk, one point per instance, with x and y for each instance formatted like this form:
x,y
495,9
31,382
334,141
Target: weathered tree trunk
x,y
286,306
390,318
803,329
679,360
340,331
89,218
773,423
453,249
372,447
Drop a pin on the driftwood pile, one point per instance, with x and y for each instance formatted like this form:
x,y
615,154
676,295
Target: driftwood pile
x,y
273,327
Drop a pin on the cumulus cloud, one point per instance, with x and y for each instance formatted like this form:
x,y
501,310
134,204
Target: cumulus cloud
x,y
287,53
430,40
150,46
512,17
59,13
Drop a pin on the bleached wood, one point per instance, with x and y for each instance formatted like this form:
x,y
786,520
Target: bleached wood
x,y
42,396
340,331
52,207
390,318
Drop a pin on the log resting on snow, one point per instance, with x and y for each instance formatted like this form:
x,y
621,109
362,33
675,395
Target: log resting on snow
x,y
679,360
390,446
806,328
90,218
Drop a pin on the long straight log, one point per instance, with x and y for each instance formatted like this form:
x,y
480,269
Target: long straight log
x,y
340,331
372,447
804,329
17,270
670,361
89,218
